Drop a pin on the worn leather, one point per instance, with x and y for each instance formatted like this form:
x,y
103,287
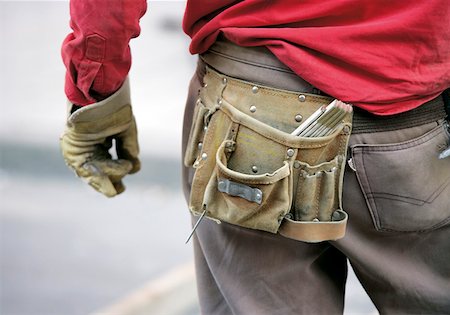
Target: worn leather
x,y
241,132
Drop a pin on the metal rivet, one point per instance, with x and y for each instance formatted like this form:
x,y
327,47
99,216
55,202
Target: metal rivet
x,y
204,156
224,80
200,145
205,85
255,89
351,164
280,218
219,101
290,152
205,128
298,118
221,184
296,164
253,108
336,216
302,98
319,174
258,197
254,169
316,220
196,164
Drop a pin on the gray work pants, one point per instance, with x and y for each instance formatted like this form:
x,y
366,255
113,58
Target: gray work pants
x,y
397,195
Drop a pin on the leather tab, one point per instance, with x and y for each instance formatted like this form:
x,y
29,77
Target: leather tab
x,y
239,190
314,232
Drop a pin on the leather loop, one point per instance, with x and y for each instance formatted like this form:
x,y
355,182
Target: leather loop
x,y
314,232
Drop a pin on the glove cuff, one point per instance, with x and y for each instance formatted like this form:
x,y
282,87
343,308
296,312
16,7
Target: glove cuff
x,y
108,106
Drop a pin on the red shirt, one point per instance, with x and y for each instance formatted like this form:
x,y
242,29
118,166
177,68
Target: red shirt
x,y
386,56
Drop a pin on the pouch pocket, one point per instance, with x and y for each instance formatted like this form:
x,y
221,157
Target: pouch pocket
x,y
196,134
316,190
253,201
244,172
406,186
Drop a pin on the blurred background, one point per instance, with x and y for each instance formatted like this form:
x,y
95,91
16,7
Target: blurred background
x,y
65,249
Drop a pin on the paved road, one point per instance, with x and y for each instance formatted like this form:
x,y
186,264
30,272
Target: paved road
x,y
66,249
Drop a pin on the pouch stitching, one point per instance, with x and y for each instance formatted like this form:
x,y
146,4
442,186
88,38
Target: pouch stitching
x,y
191,147
306,166
270,92
275,139
317,192
227,173
259,210
339,180
243,84
280,141
207,143
252,181
331,137
343,145
336,188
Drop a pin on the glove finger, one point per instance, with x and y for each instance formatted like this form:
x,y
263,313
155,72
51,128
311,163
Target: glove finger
x,y
115,169
102,184
119,186
105,175
128,146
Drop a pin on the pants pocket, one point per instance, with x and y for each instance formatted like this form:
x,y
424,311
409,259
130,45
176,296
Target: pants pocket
x,y
406,186
257,201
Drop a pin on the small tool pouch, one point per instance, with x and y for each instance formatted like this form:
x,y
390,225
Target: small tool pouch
x,y
250,171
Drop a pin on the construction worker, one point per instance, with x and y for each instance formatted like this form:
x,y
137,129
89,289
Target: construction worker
x,y
374,189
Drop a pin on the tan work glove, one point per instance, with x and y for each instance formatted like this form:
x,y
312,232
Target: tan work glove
x,y
88,138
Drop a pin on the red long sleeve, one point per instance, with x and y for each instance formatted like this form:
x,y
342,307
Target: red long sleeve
x,y
384,56
97,53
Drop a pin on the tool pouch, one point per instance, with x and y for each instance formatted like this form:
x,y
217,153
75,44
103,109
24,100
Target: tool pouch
x,y
250,171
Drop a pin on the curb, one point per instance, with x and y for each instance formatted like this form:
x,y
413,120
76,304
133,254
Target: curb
x,y
174,293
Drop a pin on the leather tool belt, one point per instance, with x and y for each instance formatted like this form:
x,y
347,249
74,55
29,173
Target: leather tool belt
x,y
251,172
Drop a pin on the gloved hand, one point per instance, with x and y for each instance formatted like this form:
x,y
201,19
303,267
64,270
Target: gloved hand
x,y
88,137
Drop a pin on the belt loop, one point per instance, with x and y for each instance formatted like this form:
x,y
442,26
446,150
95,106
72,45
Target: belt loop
x,y
446,97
